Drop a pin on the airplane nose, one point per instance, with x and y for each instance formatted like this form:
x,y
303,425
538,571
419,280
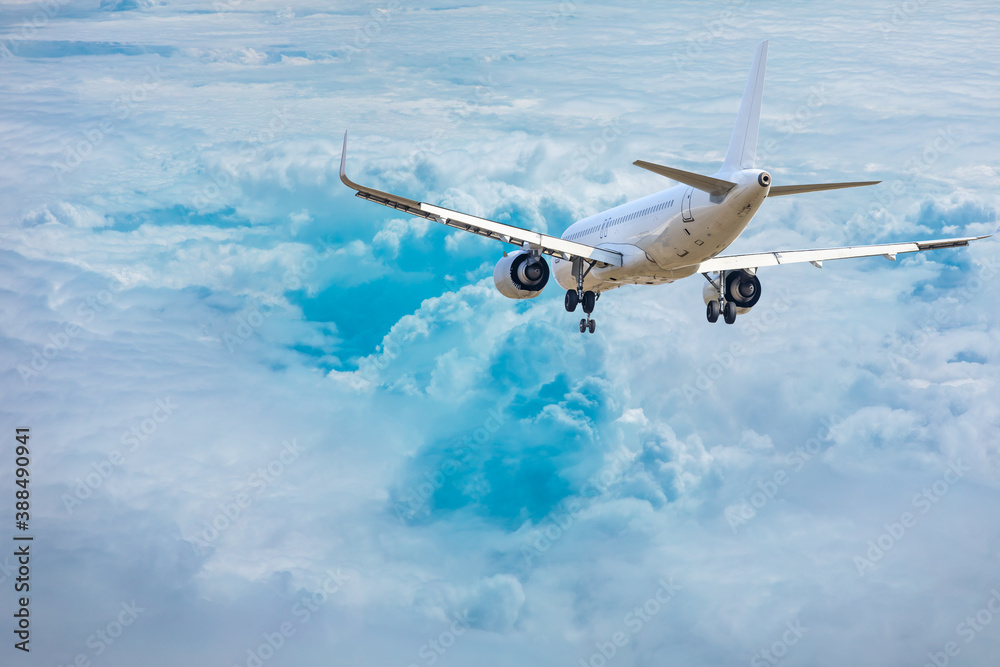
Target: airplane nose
x,y
764,179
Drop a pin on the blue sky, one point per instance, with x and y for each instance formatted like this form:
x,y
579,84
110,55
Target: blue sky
x,y
284,426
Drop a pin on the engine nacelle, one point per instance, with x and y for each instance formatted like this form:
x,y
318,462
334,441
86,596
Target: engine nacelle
x,y
520,275
742,288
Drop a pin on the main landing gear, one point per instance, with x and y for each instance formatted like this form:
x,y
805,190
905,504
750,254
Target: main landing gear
x,y
729,312
713,311
721,305
578,296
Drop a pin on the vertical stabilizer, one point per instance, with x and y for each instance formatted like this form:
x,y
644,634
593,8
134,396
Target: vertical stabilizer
x,y
743,145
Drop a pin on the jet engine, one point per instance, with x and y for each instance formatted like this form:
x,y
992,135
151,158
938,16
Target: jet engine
x,y
741,287
521,275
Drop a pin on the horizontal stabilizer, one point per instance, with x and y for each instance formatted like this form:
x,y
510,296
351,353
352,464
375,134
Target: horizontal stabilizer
x,y
713,186
780,190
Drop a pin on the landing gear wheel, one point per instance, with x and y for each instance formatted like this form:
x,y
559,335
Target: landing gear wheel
x,y
729,312
583,325
589,300
592,325
572,300
713,311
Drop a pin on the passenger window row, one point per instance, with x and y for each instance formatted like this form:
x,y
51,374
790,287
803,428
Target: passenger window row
x,y
624,218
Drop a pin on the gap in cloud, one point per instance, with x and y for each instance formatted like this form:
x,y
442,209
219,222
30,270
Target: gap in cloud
x,y
59,49
224,218
365,313
557,217
125,5
515,476
518,447
365,309
936,216
525,406
968,356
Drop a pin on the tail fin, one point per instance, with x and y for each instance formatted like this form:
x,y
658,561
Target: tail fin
x,y
743,145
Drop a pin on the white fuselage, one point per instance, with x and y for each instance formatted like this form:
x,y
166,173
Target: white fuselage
x,y
665,236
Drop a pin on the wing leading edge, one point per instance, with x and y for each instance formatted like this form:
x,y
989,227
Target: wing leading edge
x,y
549,245
817,256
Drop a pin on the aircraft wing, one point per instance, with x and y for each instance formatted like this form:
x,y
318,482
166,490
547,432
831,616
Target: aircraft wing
x,y
818,256
549,245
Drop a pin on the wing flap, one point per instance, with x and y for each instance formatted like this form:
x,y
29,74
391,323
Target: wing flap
x,y
549,245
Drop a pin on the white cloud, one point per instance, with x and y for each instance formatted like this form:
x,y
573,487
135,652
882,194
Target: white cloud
x,y
270,305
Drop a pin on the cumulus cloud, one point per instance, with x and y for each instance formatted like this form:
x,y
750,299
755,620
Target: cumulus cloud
x,y
261,405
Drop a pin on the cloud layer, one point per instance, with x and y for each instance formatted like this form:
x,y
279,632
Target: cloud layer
x,y
273,424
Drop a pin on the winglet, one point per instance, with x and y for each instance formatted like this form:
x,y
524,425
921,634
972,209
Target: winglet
x,y
384,198
742,152
343,160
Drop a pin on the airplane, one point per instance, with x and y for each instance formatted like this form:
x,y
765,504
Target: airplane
x,y
662,237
